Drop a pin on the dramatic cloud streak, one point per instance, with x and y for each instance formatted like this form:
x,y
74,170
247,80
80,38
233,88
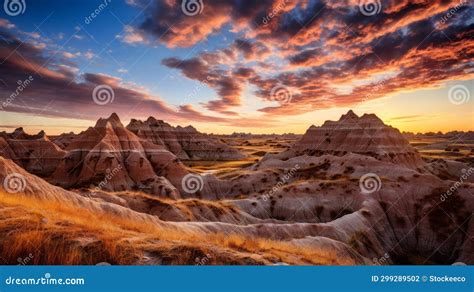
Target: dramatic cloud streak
x,y
319,46
54,89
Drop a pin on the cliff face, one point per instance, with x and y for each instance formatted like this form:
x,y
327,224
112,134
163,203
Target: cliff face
x,y
186,143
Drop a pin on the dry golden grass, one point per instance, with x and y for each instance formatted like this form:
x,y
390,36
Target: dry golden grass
x,y
57,233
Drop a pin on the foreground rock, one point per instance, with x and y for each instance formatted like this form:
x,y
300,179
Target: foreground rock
x,y
81,230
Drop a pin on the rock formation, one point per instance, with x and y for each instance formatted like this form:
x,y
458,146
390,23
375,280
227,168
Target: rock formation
x,y
186,143
354,189
366,135
110,157
63,140
35,153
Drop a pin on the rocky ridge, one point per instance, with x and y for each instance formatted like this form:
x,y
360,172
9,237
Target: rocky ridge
x,y
186,143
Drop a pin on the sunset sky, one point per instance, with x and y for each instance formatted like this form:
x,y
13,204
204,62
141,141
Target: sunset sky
x,y
267,66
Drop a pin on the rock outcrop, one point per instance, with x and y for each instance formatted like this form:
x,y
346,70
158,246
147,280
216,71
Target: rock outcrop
x,y
63,140
366,135
186,143
110,157
35,153
354,189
